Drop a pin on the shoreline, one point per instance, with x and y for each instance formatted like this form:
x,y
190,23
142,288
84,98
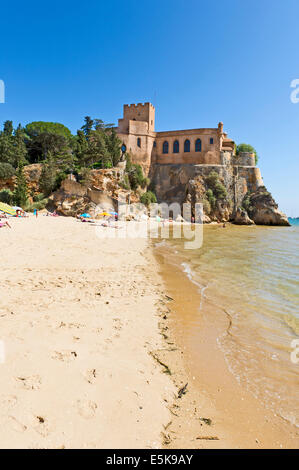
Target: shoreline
x,y
216,411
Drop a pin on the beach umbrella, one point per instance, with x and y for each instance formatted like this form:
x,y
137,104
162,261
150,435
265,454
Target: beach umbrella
x,y
17,208
7,209
86,216
105,213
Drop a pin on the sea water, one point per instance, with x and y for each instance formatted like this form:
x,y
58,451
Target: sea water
x,y
251,274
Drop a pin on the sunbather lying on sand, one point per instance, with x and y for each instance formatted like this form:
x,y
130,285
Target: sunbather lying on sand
x,y
4,224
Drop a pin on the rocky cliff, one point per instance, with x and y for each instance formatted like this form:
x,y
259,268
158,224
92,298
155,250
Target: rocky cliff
x,y
233,191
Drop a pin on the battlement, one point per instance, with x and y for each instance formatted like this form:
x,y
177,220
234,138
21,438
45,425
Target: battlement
x,y
139,105
144,112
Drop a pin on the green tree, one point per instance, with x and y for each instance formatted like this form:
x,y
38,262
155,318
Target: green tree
x,y
6,143
8,128
20,195
6,196
41,127
47,180
6,170
148,198
113,146
19,147
88,125
247,148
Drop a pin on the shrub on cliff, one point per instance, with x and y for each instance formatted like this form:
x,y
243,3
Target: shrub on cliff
x,y
6,170
6,196
211,199
135,175
247,148
148,198
216,189
206,206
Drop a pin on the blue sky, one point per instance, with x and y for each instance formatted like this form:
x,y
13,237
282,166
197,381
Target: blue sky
x,y
198,62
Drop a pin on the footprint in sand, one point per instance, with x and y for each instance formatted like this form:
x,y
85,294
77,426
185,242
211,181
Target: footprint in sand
x,y
41,426
32,382
117,324
86,408
90,376
9,401
64,356
17,425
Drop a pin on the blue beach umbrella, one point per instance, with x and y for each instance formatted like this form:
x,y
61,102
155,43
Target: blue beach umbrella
x,y
86,216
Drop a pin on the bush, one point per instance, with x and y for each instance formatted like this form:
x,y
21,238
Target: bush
x,y
206,206
148,198
211,198
247,148
84,176
38,197
6,170
6,196
39,205
216,189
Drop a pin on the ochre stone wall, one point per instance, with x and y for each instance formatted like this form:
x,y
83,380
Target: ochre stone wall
x,y
137,131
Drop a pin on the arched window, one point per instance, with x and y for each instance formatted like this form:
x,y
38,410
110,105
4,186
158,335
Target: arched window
x,y
176,146
187,145
198,145
138,142
165,147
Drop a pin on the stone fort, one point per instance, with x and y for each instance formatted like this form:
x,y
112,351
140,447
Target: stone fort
x,y
177,161
209,146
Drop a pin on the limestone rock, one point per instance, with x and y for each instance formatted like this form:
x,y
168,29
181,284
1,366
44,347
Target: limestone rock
x,y
263,209
242,218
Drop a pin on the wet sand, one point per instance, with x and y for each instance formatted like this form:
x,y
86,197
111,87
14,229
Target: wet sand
x,y
216,411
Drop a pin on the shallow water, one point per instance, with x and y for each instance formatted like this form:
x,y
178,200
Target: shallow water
x,y
251,274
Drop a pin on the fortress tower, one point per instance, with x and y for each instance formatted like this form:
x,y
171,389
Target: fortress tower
x,y
137,131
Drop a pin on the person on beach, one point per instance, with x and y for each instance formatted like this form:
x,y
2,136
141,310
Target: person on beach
x,y
35,212
4,224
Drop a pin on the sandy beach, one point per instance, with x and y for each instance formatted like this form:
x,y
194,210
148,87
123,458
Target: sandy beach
x,y
79,323
95,335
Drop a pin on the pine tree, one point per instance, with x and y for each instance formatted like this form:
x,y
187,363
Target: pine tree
x,y
47,180
113,144
19,147
87,126
8,128
20,195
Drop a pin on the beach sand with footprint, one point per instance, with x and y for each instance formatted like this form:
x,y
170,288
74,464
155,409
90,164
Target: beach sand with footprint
x,y
78,331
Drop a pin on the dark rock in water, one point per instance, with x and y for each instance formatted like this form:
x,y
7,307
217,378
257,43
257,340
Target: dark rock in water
x,y
242,218
263,210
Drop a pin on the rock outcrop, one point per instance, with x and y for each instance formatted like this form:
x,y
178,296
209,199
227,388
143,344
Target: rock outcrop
x,y
32,174
242,218
263,210
190,183
100,194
